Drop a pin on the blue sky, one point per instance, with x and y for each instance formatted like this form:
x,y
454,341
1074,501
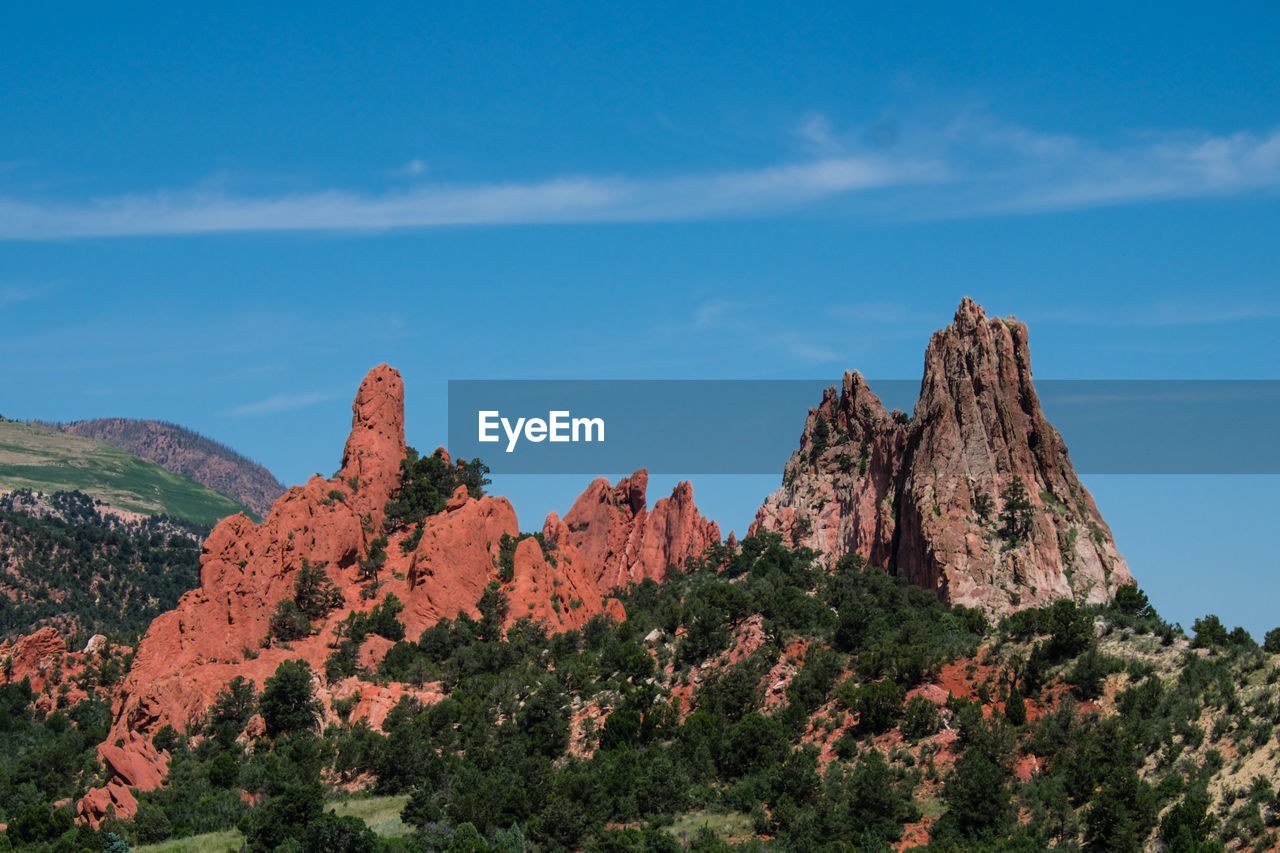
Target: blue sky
x,y
224,218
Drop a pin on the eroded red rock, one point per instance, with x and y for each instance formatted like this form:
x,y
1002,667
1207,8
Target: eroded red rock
x,y
53,672
33,657
221,629
376,444
611,527
922,496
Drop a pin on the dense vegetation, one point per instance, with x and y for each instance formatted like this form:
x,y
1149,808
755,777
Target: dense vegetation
x,y
427,482
47,759
769,702
65,563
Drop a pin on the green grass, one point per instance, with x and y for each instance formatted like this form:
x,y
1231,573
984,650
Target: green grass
x,y
43,459
931,807
211,842
726,826
382,814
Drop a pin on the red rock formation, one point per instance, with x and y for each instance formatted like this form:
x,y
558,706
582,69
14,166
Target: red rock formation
x,y
923,497
32,657
842,505
221,629
375,701
376,444
612,529
52,671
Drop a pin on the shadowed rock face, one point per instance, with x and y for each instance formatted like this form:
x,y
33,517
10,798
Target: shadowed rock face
x,y
221,629
924,496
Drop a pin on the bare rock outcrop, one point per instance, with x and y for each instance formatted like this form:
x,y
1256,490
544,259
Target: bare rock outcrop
x,y
611,527
935,497
52,671
32,657
375,447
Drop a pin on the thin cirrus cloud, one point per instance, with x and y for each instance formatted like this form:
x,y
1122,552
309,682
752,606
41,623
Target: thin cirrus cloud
x,y
1023,171
560,200
971,167
14,294
279,403
1164,314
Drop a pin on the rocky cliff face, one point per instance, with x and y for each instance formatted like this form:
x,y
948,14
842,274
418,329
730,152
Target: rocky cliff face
x,y
189,454
221,629
935,497
623,541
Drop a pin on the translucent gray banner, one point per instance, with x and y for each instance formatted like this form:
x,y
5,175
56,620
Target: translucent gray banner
x,y
751,426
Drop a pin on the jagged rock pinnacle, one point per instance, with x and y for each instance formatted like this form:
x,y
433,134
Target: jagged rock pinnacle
x,y
923,498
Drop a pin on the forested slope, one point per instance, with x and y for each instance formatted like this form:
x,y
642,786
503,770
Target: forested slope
x,y
756,700
68,563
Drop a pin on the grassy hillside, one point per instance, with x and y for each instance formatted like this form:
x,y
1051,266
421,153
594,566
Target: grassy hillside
x,y
381,814
46,460
189,454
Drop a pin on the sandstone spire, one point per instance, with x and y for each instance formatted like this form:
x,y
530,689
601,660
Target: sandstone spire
x,y
923,496
376,443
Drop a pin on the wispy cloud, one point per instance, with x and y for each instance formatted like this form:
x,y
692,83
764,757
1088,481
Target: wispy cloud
x,y
880,313
816,131
758,325
413,168
560,200
1011,169
14,165
13,294
1163,314
720,313
279,403
809,352
970,166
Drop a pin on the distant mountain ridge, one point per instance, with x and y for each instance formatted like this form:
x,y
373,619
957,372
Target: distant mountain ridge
x,y
44,459
186,452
